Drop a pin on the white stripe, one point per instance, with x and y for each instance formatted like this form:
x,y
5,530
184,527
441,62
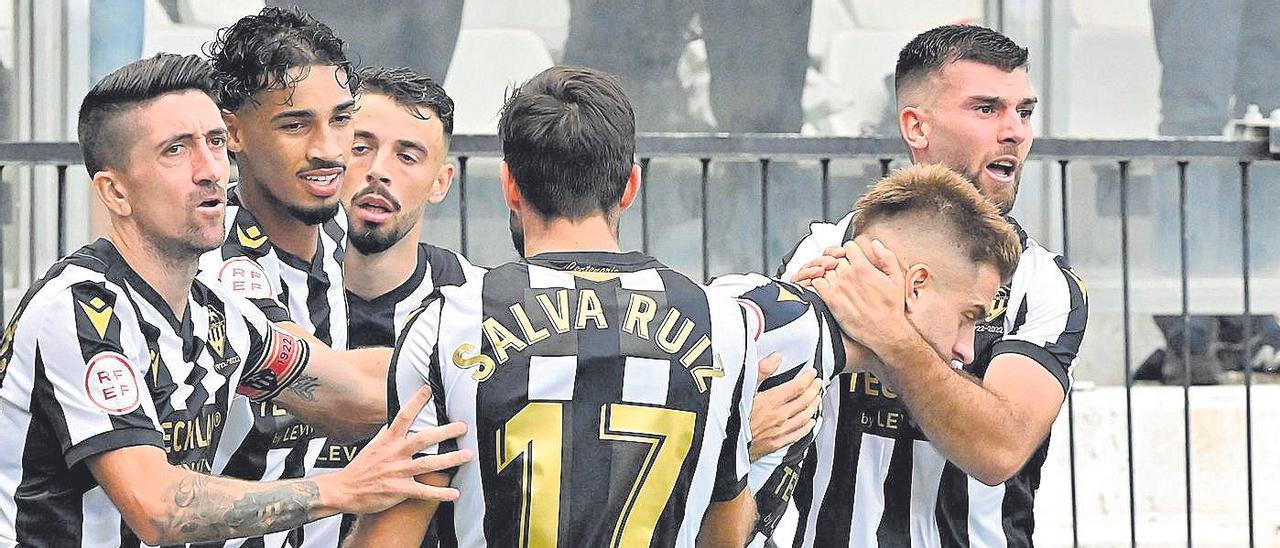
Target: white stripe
x,y
540,277
101,525
868,498
986,523
644,280
824,446
645,380
552,377
926,473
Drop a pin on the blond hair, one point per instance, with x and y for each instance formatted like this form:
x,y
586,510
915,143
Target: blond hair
x,y
943,196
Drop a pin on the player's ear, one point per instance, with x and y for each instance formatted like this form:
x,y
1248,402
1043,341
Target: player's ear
x,y
510,192
440,187
235,135
108,186
632,190
918,279
914,128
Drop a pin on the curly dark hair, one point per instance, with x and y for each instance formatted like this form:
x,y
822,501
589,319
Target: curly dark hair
x,y
410,89
257,52
933,49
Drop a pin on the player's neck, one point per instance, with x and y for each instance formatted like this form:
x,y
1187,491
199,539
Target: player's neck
x,y
169,276
594,233
374,275
287,233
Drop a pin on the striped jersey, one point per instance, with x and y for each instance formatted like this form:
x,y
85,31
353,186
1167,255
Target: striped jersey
x,y
94,360
263,441
606,398
377,321
873,479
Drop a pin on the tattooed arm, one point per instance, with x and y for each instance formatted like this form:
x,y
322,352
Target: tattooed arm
x,y
342,393
166,504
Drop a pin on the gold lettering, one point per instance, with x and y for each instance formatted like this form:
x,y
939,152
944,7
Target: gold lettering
x,y
696,352
665,340
589,308
872,384
178,446
640,312
558,313
530,334
501,338
485,363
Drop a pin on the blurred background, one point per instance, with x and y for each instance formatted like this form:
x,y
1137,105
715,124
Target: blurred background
x,y
1122,71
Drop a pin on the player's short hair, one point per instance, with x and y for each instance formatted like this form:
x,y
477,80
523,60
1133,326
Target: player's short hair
x,y
258,51
937,193
569,139
934,49
410,89
102,142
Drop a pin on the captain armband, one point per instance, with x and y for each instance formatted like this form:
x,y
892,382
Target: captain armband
x,y
282,363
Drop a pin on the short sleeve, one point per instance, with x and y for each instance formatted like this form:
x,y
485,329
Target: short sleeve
x,y
1047,322
247,278
90,374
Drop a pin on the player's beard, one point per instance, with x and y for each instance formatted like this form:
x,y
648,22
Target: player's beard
x,y
371,241
517,234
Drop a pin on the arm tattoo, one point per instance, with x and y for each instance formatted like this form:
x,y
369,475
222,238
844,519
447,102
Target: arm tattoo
x,y
207,508
305,387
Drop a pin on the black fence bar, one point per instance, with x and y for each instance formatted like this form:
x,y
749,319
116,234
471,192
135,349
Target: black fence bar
x,y
764,215
825,164
1128,346
706,224
1186,333
644,205
1071,401
462,205
884,166
1247,354
62,210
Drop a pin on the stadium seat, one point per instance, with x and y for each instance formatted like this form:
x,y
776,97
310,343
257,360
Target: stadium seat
x,y
912,15
860,61
163,35
829,17
216,14
486,62
549,19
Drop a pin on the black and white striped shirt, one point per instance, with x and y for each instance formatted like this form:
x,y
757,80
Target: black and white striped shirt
x,y
873,479
606,398
94,360
263,441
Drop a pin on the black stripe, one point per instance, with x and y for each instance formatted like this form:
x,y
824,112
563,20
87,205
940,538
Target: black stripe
x,y
804,496
895,523
835,516
445,266
952,509
49,492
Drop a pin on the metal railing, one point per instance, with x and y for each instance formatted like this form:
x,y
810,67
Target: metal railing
x,y
1056,155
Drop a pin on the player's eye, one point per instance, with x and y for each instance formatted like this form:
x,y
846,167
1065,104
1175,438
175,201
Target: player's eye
x,y
408,158
341,119
217,141
985,109
293,126
1025,113
360,149
174,149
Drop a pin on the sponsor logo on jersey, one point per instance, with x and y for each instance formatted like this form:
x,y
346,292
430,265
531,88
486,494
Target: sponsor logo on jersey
x,y
111,384
99,313
251,237
245,277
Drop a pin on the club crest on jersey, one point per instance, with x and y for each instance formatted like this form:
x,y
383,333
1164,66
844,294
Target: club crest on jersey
x,y
111,384
999,304
245,277
217,333
251,237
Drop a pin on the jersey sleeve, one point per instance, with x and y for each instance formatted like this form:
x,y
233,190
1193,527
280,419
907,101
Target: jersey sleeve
x,y
414,365
90,372
820,237
734,465
255,279
793,322
1047,322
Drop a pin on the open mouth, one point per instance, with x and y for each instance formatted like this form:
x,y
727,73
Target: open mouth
x,y
1003,169
210,203
374,208
322,183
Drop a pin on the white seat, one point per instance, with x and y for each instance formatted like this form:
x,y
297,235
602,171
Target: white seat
x,y
485,64
860,61
549,19
828,18
914,16
161,34
217,14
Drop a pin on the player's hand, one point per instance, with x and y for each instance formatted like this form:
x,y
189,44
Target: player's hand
x,y
785,413
866,294
818,266
382,475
